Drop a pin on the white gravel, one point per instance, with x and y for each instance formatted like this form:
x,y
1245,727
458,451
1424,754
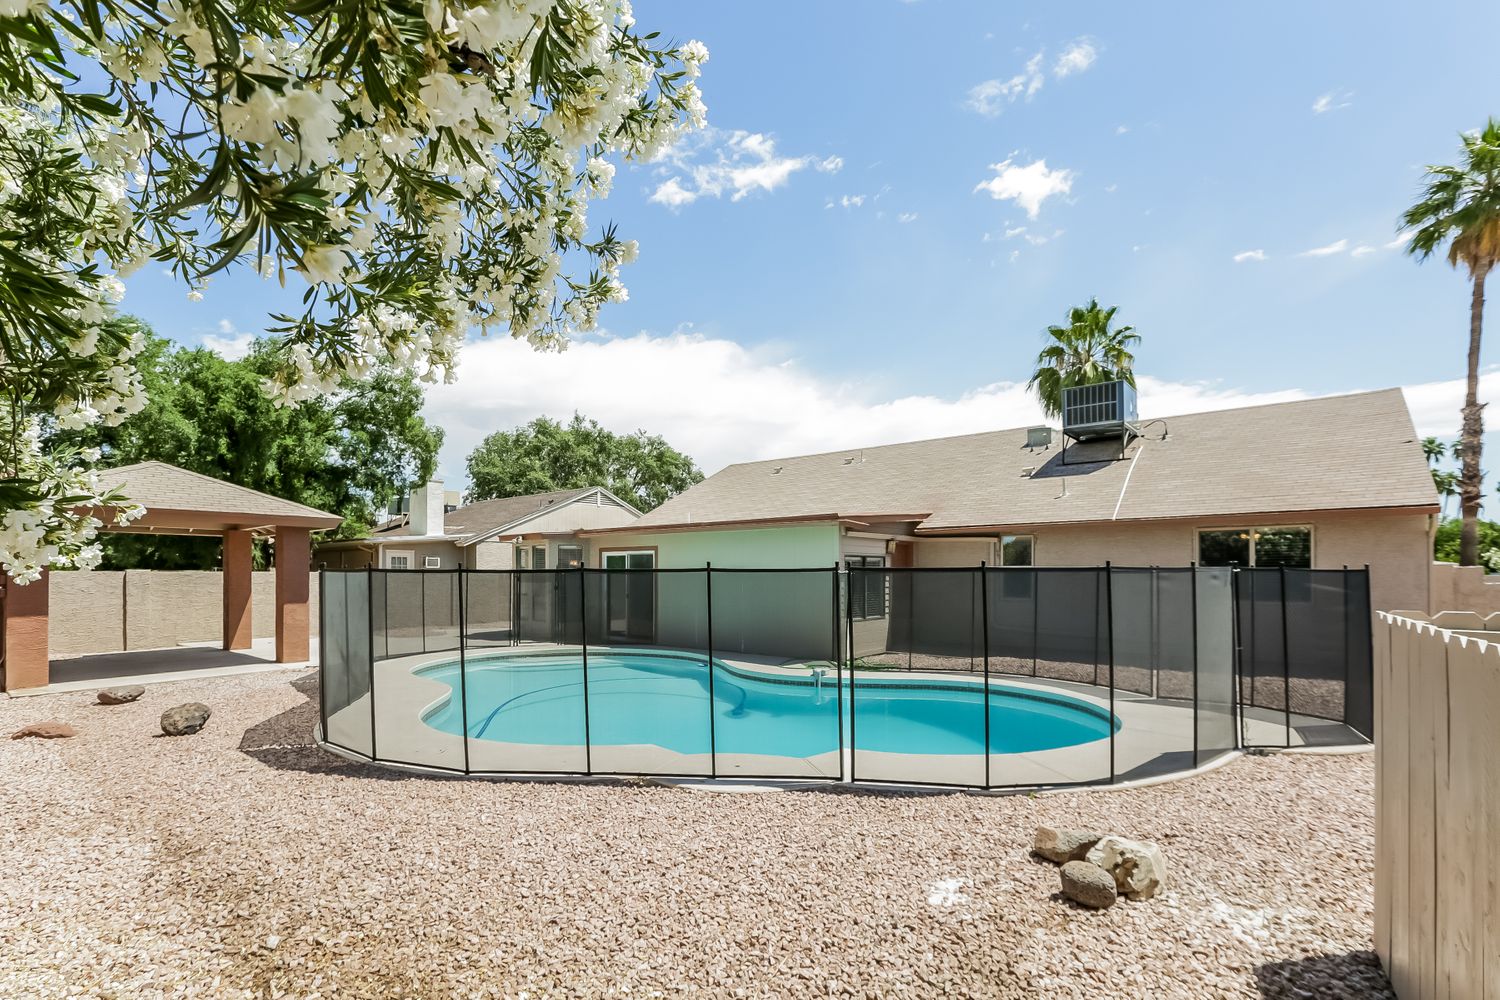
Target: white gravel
x,y
245,862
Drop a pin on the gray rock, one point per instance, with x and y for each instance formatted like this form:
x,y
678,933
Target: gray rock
x,y
184,720
120,695
49,730
1138,867
1063,846
1088,884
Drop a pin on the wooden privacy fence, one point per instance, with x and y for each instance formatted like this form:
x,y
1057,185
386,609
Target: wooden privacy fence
x,y
1437,810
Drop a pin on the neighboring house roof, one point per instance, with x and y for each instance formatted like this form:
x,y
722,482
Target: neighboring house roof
x,y
170,492
1333,453
485,519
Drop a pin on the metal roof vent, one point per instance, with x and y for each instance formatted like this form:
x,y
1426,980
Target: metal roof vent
x,y
777,471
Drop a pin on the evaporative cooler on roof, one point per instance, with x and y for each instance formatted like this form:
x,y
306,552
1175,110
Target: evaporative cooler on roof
x,y
1100,410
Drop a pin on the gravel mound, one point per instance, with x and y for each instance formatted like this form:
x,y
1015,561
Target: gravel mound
x,y
246,862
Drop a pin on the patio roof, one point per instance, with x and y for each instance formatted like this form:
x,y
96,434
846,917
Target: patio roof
x,y
181,502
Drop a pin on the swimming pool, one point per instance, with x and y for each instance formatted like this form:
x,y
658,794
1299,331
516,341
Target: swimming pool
x,y
662,699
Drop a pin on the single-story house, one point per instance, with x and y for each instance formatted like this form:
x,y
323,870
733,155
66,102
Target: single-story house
x,y
1324,483
538,531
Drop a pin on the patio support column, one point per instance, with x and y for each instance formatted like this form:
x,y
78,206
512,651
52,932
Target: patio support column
x,y
293,563
239,632
25,628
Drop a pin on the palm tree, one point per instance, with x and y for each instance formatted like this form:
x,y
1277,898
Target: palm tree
x,y
1434,449
1085,351
1447,486
1460,207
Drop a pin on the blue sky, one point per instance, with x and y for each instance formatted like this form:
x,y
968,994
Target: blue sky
x,y
843,276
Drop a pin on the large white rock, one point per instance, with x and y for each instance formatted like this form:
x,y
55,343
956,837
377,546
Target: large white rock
x,y
1063,845
1139,867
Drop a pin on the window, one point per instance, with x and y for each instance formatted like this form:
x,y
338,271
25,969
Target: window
x,y
866,590
1016,550
569,556
432,562
628,560
523,558
398,560
539,557
1263,547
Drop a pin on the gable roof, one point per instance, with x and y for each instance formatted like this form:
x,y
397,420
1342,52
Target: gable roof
x,y
166,490
477,521
1331,453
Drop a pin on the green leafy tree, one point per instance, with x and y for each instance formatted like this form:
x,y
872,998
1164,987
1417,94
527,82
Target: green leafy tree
x,y
350,452
1449,533
1460,208
419,169
640,468
1087,350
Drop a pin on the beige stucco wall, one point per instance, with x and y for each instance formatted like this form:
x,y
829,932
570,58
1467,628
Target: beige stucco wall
x,y
492,555
954,551
1396,546
102,611
1462,588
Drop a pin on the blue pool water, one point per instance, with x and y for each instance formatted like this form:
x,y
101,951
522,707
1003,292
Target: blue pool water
x,y
662,699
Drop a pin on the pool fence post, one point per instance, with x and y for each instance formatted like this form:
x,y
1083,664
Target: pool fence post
x,y
838,667
323,647
463,666
849,572
713,750
1109,618
370,632
984,631
1286,663
1238,652
583,642
1193,579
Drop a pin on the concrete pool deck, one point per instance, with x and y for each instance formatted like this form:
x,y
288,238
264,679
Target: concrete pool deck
x,y
1155,737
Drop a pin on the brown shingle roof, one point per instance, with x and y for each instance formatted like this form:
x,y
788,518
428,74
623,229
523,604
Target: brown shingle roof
x,y
1335,452
161,487
487,515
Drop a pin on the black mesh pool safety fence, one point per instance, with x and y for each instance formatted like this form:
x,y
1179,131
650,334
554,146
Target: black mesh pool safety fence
x,y
979,677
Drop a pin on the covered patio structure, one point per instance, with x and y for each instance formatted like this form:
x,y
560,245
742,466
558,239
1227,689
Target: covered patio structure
x,y
179,502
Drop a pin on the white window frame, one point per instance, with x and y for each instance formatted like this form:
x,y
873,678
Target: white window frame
x,y
1255,530
432,562
410,555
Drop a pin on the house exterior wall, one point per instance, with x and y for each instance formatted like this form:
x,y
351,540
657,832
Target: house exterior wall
x,y
449,553
493,554
1396,546
105,611
784,547
575,517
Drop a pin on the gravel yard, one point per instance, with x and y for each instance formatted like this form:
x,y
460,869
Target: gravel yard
x,y
244,861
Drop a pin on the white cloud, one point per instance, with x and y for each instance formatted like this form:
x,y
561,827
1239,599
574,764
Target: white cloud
x,y
737,163
907,217
1334,100
990,97
722,402
1027,186
229,343
1246,255
1076,58
1121,129
1362,250
1338,246
1435,406
1399,243
672,194
852,200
